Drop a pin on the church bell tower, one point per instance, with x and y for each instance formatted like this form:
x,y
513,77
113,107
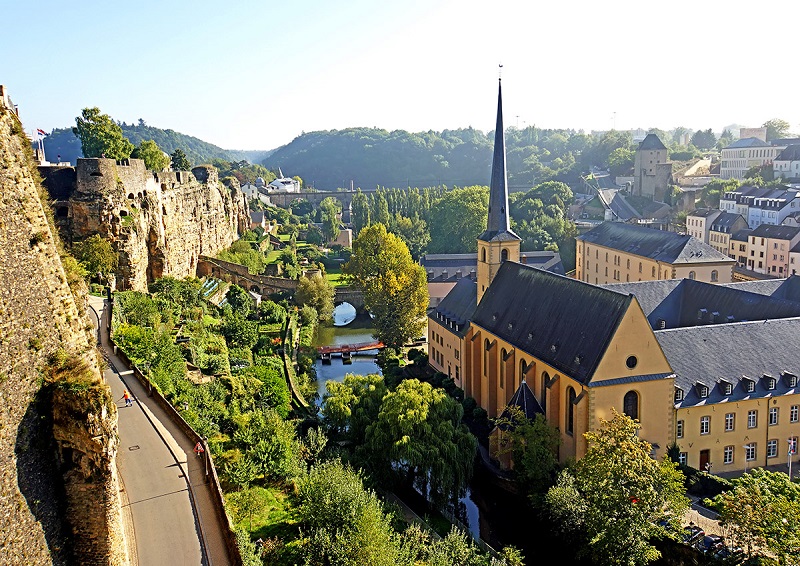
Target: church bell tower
x,y
498,243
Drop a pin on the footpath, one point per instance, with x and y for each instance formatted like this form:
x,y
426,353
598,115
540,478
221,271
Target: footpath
x,y
173,519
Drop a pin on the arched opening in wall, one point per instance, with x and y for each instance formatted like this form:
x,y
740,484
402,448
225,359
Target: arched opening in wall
x,y
62,212
486,347
503,368
692,275
522,368
144,193
570,411
139,195
483,255
630,405
130,196
714,276
543,389
504,255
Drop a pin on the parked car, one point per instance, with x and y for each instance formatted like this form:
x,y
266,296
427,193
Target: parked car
x,y
692,534
710,544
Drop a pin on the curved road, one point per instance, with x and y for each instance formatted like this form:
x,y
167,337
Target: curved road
x,y
169,520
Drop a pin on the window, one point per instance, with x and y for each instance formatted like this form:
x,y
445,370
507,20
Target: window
x,y
772,448
640,267
714,275
631,362
678,394
654,271
752,419
727,455
570,410
486,346
750,452
679,429
629,264
794,413
682,458
793,445
749,385
504,255
730,421
773,416
483,255
630,405
691,275
502,368
705,425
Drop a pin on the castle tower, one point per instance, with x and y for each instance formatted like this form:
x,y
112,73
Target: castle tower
x,y
498,243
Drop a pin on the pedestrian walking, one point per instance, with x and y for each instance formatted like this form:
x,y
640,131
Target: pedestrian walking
x,y
127,397
198,449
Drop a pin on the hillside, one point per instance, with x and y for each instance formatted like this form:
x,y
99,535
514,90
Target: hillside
x,y
64,143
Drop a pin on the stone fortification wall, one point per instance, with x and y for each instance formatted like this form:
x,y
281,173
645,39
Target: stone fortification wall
x,y
159,223
39,317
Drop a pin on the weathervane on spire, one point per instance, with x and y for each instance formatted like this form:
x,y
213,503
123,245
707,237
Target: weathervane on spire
x,y
500,72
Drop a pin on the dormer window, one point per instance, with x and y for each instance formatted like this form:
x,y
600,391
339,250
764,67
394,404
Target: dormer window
x,y
678,394
790,379
749,385
769,382
702,390
725,387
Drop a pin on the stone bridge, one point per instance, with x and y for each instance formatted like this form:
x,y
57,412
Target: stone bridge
x,y
265,284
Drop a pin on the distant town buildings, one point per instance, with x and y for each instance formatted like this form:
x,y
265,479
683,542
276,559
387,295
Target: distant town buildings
x,y
787,164
746,153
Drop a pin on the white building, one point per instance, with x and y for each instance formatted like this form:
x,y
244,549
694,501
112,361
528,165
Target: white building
x,y
787,164
745,153
698,222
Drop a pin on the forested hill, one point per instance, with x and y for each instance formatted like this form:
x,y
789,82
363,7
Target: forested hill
x,y
64,143
371,157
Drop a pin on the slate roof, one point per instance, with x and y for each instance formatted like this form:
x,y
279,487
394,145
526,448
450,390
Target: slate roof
x,y
741,235
651,142
708,354
703,212
747,142
658,245
498,227
725,221
775,232
525,401
441,268
791,153
546,315
455,311
686,303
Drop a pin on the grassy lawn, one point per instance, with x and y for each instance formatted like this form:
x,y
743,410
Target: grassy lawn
x,y
274,328
335,277
275,519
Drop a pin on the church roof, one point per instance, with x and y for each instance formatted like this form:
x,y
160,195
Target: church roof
x,y
498,228
454,312
546,315
651,142
658,245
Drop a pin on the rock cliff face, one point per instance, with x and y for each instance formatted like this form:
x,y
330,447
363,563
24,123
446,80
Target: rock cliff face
x,y
39,317
159,223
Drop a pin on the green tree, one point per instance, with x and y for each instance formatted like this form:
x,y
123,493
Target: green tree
x,y
395,288
97,256
457,219
349,406
316,291
413,232
153,156
179,161
763,511
704,139
239,332
380,209
624,494
725,139
100,136
239,300
360,212
776,128
330,208
620,161
273,391
248,502
419,436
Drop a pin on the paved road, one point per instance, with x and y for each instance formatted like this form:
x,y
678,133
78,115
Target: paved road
x,y
157,502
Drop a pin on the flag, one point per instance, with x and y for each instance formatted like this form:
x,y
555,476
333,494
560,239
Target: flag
x,y
41,132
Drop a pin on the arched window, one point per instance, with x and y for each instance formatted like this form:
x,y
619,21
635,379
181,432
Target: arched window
x,y
630,405
629,264
570,412
504,255
691,275
486,357
654,271
502,367
483,255
545,379
714,275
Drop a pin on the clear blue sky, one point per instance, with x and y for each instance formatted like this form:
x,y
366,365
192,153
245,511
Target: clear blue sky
x,y
256,74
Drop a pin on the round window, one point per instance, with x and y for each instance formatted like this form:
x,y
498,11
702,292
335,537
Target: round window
x,y
631,362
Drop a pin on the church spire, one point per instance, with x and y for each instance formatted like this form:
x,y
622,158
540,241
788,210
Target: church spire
x,y
499,225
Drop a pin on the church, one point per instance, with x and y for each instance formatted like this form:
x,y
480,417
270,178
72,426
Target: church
x,y
695,363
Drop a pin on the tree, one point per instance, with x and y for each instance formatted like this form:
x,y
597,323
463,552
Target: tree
x,y
623,493
413,232
352,404
316,291
457,219
419,436
248,502
330,208
725,139
239,332
704,139
763,511
395,288
179,161
273,392
153,156
97,256
100,136
239,300
360,212
776,128
620,161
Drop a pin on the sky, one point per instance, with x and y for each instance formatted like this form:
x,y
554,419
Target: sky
x,y
256,74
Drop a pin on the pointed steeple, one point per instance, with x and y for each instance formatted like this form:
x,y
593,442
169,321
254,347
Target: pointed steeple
x,y
498,227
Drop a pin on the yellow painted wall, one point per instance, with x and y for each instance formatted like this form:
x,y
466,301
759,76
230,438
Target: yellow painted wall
x,y
451,347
